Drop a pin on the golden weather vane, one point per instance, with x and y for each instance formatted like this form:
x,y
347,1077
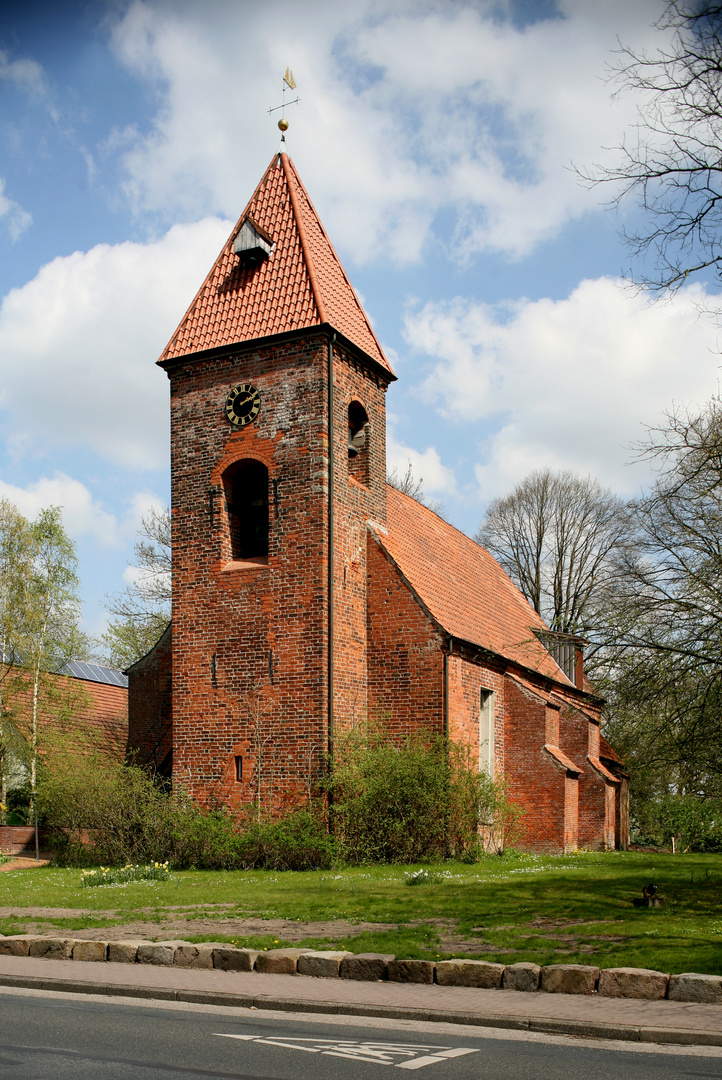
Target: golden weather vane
x,y
289,83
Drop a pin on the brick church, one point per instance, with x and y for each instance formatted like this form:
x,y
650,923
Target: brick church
x,y
308,594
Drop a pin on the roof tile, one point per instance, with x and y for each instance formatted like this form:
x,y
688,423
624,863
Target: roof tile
x,y
301,284
463,586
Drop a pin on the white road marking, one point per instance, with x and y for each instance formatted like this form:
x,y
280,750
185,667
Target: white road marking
x,y
378,1053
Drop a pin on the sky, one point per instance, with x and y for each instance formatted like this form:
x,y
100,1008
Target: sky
x,y
439,141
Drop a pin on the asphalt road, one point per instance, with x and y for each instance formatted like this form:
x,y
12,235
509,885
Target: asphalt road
x,y
46,1036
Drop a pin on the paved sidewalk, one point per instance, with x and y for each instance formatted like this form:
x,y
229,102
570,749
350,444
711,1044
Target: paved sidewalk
x,y
599,1017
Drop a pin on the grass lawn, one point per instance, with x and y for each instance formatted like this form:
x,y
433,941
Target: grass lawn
x,y
573,908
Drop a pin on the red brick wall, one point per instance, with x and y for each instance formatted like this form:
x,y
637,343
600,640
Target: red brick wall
x,y
72,705
405,658
535,782
355,503
150,717
239,612
579,739
466,680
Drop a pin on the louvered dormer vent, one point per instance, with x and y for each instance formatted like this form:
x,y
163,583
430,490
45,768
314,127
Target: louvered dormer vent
x,y
253,244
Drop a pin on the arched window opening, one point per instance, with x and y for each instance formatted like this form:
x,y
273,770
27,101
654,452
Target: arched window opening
x,y
358,442
246,487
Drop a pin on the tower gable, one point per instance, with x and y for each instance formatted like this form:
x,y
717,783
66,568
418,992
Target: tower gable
x,y
295,282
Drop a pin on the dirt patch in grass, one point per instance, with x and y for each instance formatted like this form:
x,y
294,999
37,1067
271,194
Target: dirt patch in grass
x,y
169,929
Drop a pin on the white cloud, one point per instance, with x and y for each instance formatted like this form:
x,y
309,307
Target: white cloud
x,y
407,110
569,383
82,514
79,344
426,466
26,74
17,219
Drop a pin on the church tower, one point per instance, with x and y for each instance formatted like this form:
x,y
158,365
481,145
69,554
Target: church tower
x,y
277,471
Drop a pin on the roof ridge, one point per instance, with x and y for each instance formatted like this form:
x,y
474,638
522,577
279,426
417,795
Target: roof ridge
x,y
346,278
305,246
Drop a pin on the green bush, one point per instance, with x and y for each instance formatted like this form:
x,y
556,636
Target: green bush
x,y
420,799
112,815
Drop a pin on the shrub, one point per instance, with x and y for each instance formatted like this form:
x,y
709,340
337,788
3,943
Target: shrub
x,y
113,815
408,802
414,800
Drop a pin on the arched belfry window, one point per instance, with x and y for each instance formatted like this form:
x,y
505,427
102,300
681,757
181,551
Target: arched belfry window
x,y
358,442
246,489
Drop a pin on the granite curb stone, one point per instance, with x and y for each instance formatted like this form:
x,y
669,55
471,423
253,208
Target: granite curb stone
x,y
52,948
156,952
124,952
279,961
90,950
15,946
366,967
479,973
196,956
569,979
631,982
703,989
523,976
322,965
226,958
411,971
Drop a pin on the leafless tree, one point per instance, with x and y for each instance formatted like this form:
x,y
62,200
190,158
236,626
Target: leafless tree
x,y
667,685
408,484
672,164
559,537
142,610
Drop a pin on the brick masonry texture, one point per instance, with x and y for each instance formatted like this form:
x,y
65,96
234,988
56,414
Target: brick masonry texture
x,y
429,634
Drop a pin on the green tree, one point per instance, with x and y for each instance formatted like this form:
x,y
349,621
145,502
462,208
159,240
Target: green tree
x,y
667,682
142,611
16,556
52,634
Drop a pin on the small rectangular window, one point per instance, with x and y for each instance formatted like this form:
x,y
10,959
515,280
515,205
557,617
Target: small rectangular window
x,y
239,768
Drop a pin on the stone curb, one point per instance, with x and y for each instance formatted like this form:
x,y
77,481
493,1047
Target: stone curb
x,y
640,983
576,1028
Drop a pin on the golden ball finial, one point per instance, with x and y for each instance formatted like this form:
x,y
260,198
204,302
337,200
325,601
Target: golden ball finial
x,y
283,124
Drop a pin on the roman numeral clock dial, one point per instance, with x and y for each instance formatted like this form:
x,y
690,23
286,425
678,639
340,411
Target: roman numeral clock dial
x,y
243,405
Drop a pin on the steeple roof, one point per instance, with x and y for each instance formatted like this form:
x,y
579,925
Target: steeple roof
x,y
300,284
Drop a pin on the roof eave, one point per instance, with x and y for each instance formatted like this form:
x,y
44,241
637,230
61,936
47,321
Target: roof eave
x,y
325,329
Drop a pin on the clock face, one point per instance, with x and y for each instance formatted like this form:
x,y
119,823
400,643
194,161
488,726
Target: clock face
x,y
243,404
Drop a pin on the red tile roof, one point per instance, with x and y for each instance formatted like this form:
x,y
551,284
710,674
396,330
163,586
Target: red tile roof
x,y
463,587
301,284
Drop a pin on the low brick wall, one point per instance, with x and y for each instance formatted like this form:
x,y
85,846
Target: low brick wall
x,y
20,840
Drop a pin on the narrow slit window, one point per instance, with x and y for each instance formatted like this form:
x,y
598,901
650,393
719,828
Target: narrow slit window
x,y
238,762
486,732
246,485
